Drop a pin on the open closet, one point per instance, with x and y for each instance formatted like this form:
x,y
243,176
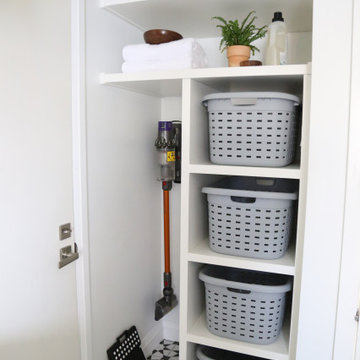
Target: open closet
x,y
124,211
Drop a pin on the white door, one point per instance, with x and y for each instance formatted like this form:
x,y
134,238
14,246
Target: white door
x,y
356,115
38,303
347,339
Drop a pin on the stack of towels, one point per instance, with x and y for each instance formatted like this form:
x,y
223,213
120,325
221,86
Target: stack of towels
x,y
180,54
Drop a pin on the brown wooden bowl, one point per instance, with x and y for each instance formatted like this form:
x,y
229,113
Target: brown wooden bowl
x,y
160,36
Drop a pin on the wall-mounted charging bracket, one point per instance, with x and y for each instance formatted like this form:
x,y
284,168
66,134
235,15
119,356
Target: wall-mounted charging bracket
x,y
177,136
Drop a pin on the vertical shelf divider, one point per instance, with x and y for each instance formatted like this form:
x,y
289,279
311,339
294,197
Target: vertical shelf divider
x,y
184,222
301,215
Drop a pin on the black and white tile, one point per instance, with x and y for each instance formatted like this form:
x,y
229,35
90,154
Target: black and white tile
x,y
166,350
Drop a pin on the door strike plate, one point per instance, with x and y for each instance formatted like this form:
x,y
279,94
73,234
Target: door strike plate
x,y
67,256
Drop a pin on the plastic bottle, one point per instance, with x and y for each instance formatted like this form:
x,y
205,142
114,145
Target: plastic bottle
x,y
276,46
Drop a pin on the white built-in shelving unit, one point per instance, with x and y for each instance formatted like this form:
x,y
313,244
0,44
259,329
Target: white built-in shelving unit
x,y
197,171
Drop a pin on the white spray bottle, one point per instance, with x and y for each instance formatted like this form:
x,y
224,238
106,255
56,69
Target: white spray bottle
x,y
276,46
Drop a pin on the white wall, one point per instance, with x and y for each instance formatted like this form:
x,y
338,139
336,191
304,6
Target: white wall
x,y
38,301
123,193
171,110
299,49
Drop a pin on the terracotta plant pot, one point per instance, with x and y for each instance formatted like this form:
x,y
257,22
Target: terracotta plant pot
x,y
237,53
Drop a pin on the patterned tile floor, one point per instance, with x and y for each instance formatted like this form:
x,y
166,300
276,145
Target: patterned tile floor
x,y
166,350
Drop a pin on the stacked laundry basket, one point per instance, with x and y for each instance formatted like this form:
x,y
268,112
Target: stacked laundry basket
x,y
252,128
249,217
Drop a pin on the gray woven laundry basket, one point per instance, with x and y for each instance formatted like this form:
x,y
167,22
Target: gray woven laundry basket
x,y
251,217
210,353
252,128
244,305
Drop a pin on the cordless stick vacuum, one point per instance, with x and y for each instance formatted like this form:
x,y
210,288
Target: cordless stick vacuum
x,y
166,146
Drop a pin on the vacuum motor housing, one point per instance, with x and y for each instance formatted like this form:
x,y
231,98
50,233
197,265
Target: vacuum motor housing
x,y
165,146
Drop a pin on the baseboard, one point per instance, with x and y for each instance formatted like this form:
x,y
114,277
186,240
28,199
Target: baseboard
x,y
152,339
171,331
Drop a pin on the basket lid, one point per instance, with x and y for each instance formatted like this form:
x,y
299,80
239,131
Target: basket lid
x,y
251,96
267,188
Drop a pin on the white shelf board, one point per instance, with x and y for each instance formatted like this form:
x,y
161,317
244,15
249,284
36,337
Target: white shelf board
x,y
288,172
193,18
279,350
168,82
202,253
251,71
161,83
285,78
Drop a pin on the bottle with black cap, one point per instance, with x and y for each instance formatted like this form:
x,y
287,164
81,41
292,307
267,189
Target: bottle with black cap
x,y
276,43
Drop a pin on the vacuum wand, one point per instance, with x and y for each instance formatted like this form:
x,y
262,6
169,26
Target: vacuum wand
x,y
170,298
165,145
166,230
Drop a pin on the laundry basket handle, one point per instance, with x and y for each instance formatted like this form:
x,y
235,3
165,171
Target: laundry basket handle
x,y
243,199
239,291
121,338
126,334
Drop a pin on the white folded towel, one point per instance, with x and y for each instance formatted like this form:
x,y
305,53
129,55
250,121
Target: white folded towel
x,y
185,49
185,63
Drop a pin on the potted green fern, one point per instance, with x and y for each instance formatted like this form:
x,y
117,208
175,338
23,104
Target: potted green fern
x,y
237,38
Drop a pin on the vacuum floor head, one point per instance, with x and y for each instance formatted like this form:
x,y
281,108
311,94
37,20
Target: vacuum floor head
x,y
164,305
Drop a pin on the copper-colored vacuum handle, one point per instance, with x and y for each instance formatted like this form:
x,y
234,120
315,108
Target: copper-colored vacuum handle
x,y
169,300
166,231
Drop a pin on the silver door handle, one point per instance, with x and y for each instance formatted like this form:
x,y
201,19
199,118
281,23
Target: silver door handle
x,y
67,256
